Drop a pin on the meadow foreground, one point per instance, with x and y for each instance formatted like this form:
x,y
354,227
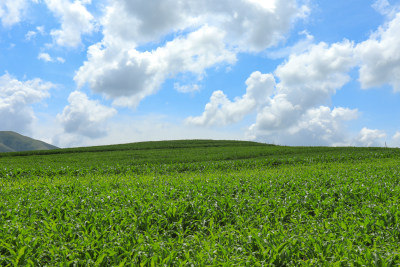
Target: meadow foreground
x,y
200,203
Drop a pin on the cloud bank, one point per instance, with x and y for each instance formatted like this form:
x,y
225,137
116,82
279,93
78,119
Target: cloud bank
x,y
198,35
296,110
141,45
16,100
84,116
290,111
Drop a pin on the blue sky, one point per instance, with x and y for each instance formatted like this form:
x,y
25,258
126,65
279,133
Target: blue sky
x,y
85,72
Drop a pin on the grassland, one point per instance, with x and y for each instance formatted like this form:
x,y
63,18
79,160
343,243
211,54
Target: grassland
x,y
200,203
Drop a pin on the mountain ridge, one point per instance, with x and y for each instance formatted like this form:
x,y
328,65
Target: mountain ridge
x,y
14,142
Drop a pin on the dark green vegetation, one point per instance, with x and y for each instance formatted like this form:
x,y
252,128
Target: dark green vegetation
x,y
200,203
11,142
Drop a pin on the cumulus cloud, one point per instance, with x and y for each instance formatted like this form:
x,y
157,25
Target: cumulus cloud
x,y
380,57
47,58
320,126
127,75
395,141
252,25
292,108
200,34
75,21
221,111
309,79
297,112
16,99
294,114
370,137
11,11
84,116
306,81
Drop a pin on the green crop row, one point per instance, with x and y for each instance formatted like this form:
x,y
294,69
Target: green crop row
x,y
278,206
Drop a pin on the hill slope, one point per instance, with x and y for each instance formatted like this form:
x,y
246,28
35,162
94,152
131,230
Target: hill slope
x,y
13,142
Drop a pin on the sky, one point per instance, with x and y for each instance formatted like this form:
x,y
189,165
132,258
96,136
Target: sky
x,y
285,72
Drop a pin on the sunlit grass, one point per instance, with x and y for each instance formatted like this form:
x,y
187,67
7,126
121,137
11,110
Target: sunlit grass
x,y
285,207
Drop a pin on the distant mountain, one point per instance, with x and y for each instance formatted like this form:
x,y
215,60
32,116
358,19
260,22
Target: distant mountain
x,y
13,142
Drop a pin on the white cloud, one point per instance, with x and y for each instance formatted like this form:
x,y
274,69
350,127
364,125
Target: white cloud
x,y
385,8
396,136
300,47
306,81
289,109
187,88
264,4
40,29
127,75
16,99
370,137
246,24
11,11
380,57
381,6
204,34
311,77
325,126
75,21
84,116
32,34
45,57
297,113
395,142
320,126
221,111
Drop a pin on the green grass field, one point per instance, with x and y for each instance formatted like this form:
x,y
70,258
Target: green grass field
x,y
200,203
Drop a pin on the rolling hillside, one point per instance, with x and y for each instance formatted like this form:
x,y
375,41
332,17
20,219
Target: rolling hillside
x,y
13,142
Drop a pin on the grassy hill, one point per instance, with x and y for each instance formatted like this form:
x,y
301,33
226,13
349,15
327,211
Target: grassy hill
x,y
11,142
200,203
4,148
